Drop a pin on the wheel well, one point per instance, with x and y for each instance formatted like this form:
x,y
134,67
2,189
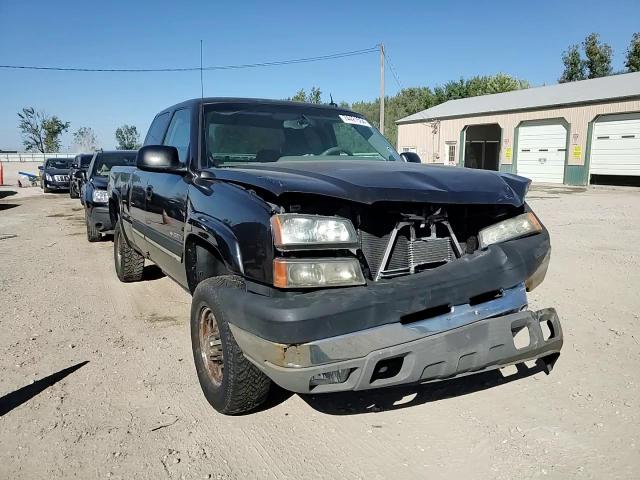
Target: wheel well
x,y
113,211
202,261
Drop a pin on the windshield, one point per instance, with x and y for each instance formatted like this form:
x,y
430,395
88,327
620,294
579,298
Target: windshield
x,y
236,134
59,163
105,161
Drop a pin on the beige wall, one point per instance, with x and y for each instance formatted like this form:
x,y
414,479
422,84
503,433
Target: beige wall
x,y
432,147
11,169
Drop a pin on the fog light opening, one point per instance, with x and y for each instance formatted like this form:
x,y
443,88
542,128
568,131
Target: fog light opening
x,y
387,368
521,337
547,330
328,378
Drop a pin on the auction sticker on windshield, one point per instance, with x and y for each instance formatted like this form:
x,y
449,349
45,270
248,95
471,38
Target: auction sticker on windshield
x,y
354,120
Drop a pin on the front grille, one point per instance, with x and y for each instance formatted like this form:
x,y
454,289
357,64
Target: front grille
x,y
61,178
406,254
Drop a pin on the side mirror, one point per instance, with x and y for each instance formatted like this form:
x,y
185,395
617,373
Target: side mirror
x,y
411,157
159,158
41,167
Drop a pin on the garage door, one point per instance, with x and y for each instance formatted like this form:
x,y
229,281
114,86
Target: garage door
x,y
615,145
541,152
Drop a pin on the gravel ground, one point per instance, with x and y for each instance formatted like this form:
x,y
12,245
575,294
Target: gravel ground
x,y
99,381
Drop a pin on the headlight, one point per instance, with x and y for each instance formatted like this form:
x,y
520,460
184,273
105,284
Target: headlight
x,y
516,227
100,196
293,231
48,177
306,273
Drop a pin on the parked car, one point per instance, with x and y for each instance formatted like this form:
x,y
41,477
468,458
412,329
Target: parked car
x,y
94,190
76,173
320,260
55,174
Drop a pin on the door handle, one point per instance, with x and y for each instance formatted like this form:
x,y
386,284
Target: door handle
x,y
149,192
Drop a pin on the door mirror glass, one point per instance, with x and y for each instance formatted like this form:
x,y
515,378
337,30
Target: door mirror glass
x,y
159,158
411,157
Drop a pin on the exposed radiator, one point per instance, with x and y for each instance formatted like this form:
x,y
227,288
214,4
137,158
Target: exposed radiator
x,y
406,254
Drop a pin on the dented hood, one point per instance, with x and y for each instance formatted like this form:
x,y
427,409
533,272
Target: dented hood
x,y
377,181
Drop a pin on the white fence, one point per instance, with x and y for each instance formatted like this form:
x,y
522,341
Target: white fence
x,y
32,156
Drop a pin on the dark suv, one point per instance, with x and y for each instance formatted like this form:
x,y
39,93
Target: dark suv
x,y
94,193
55,174
76,173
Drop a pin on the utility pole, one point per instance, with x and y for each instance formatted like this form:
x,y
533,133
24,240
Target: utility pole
x,y
201,81
382,89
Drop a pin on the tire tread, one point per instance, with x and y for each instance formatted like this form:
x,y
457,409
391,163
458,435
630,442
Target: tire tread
x,y
132,263
245,386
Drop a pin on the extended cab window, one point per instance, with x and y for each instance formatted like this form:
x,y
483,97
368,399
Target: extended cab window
x,y
179,133
155,135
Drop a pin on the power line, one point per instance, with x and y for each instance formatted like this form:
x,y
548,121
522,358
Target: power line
x,y
393,70
331,56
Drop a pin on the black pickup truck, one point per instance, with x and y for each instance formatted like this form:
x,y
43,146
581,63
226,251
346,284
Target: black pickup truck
x,y
94,190
77,173
319,260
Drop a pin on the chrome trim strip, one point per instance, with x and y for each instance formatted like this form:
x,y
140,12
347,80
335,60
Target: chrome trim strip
x,y
163,249
157,245
134,230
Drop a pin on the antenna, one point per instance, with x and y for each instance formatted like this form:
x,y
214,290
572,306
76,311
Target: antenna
x,y
332,103
201,82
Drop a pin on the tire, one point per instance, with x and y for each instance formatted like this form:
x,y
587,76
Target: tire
x,y
72,192
44,188
230,382
93,234
129,263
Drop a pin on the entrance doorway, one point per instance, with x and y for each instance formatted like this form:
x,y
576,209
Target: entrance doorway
x,y
482,146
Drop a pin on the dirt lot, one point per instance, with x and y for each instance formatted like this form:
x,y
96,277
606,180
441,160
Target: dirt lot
x,y
98,379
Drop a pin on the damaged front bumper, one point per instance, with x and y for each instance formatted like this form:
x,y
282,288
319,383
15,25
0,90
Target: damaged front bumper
x,y
456,319
433,349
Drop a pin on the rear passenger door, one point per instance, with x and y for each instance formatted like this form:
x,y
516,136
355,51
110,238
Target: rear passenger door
x,y
166,195
137,196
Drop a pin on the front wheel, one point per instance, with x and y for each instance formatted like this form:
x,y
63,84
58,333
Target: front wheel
x,y
129,263
45,189
230,382
72,192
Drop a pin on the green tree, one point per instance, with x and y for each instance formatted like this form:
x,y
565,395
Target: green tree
x,y
53,128
30,125
573,65
598,61
300,96
40,131
633,54
314,96
127,137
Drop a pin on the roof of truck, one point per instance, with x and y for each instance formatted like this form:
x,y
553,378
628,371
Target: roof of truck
x,y
207,100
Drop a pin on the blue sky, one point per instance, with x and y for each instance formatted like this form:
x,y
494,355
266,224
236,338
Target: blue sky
x,y
428,43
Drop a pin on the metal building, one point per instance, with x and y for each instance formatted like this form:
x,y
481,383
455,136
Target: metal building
x,y
574,133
